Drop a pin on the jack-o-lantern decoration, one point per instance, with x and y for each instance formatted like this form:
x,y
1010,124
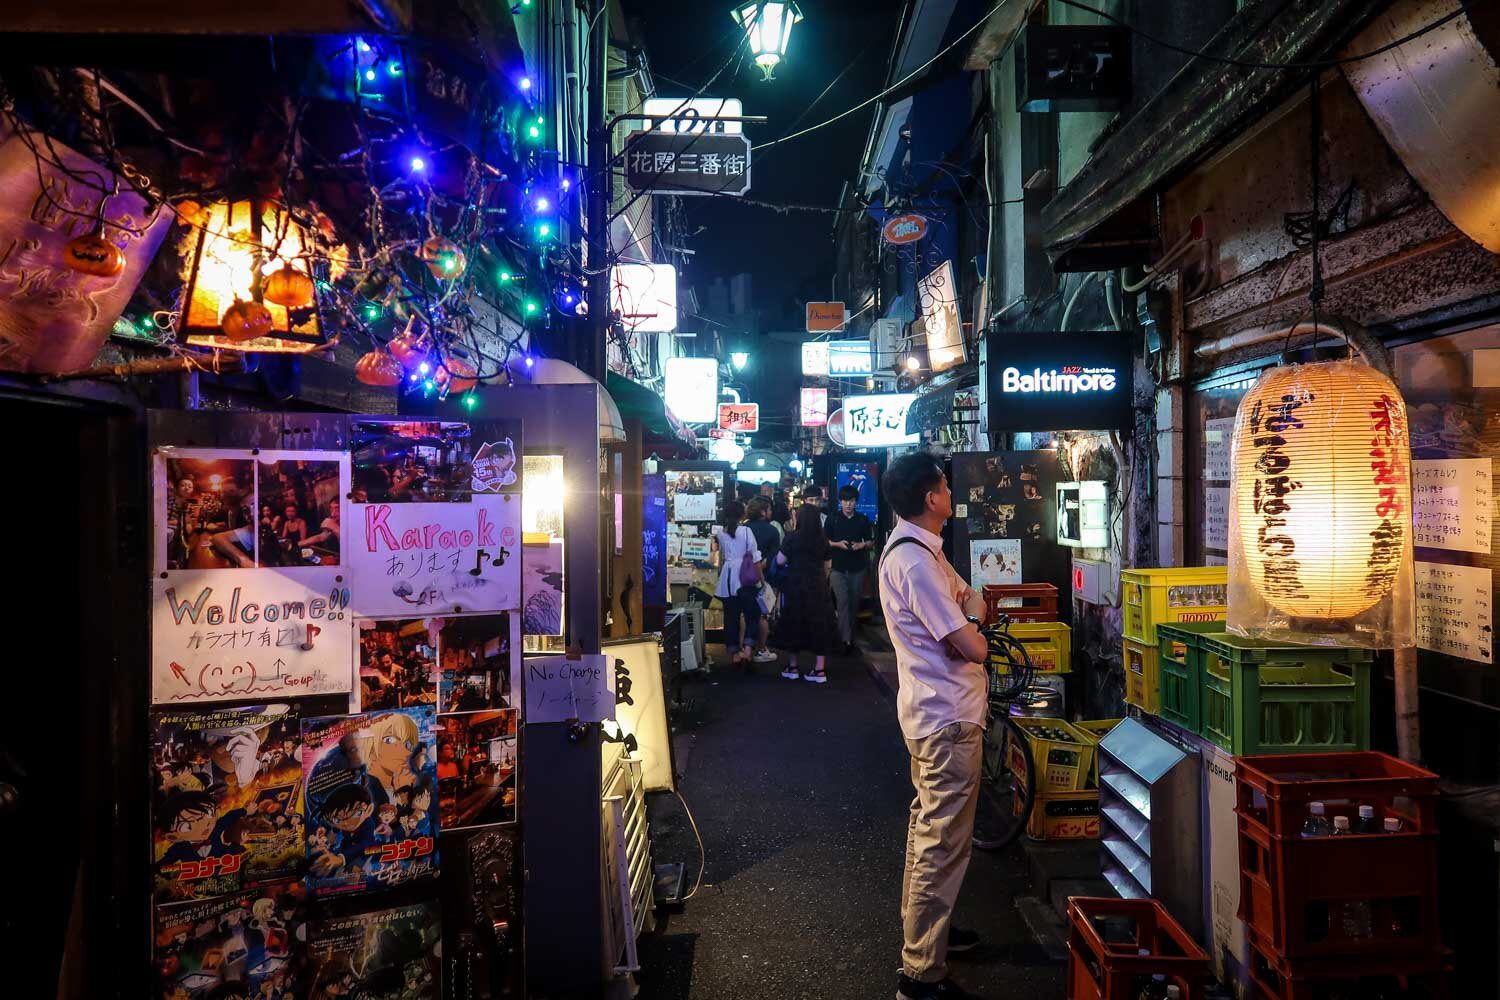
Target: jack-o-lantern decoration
x,y
457,374
289,287
378,368
94,255
410,347
245,320
443,258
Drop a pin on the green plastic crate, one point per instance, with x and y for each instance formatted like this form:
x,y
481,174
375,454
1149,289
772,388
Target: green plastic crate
x,y
1275,698
1181,668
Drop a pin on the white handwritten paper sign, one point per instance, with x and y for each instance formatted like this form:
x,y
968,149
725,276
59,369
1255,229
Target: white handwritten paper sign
x,y
1454,613
1217,434
224,634
416,559
1453,504
695,506
1216,518
559,689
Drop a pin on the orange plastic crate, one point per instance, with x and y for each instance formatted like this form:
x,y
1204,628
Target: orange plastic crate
x,y
1273,977
1105,941
1023,602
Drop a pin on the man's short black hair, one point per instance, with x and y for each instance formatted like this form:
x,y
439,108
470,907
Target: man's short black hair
x,y
346,797
907,482
848,492
180,804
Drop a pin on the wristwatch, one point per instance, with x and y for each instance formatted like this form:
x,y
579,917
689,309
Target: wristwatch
x,y
974,621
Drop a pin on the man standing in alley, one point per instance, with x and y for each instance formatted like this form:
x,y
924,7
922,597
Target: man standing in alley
x,y
850,536
940,704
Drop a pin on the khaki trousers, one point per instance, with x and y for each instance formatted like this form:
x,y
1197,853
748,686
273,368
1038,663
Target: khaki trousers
x,y
945,773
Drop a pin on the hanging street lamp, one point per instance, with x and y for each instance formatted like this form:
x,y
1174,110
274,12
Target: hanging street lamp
x,y
768,24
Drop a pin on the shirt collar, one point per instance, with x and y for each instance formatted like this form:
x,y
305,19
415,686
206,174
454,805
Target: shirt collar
x,y
920,533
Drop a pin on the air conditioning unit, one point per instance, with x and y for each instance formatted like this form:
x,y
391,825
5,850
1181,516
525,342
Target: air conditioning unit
x,y
885,341
694,650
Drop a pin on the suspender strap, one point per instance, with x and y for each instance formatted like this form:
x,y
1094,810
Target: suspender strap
x,y
902,541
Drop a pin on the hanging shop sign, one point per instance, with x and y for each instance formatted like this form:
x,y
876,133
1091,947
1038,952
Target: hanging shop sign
x,y
1059,381
849,359
645,296
825,317
878,421
814,407
694,116
739,418
685,164
692,390
904,229
938,293
815,358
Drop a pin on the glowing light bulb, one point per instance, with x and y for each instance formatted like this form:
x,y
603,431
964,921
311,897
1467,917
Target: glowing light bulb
x,y
470,401
912,364
529,361
394,68
506,277
567,185
534,132
364,46
544,230
531,308
542,204
424,368
369,74
418,164
525,83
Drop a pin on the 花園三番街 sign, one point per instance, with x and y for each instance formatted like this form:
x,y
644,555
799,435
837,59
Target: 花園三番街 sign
x,y
742,418
677,163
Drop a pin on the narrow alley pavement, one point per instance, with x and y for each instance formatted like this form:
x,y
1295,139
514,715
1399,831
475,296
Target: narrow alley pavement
x,y
801,794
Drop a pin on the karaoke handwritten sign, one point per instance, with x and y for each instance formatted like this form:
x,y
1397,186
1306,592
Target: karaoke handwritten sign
x,y
1453,504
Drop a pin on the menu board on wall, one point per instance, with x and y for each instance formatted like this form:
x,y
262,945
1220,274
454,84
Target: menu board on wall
x,y
1217,434
693,497
1454,610
250,594
1216,517
1453,504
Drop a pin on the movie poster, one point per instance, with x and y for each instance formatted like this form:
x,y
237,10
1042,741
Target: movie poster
x,y
477,768
249,597
371,799
227,804
242,946
398,663
390,954
479,658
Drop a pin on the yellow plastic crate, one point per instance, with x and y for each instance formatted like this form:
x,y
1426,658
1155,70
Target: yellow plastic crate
x,y
1095,729
1064,816
1049,644
1153,597
1063,756
1142,676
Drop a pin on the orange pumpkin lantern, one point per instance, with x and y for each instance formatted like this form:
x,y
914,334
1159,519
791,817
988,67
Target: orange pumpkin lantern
x,y
409,348
457,374
94,255
443,258
245,320
289,287
378,368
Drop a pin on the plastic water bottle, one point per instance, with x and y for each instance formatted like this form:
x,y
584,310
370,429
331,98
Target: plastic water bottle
x,y
1341,826
1358,920
1317,822
1367,823
1174,992
1393,824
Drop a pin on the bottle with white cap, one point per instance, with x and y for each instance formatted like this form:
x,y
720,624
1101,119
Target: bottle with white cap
x,y
1367,822
1393,824
1317,822
1340,826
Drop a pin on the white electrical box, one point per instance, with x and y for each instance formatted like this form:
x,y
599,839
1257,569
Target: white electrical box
x,y
1083,514
1091,578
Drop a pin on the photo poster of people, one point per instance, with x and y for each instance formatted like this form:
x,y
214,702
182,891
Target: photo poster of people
x,y
388,954
370,785
249,594
398,663
244,945
693,499
479,658
476,768
226,803
865,477
436,518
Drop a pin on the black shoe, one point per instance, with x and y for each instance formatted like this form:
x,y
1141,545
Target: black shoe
x,y
910,989
961,939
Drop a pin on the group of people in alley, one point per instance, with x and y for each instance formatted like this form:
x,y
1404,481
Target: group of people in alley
x,y
790,581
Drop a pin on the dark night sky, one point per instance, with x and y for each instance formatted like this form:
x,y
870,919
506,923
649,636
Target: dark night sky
x,y
687,41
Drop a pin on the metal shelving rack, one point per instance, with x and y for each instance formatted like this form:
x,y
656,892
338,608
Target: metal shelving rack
x,y
1150,823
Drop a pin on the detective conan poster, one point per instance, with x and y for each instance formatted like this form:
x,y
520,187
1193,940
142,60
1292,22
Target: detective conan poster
x,y
390,954
243,946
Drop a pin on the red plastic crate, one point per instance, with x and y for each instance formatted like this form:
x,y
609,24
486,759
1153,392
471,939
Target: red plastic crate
x,y
1037,602
1275,978
1306,896
1274,790
1105,938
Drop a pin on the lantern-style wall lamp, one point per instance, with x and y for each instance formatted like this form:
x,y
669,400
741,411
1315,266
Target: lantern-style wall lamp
x,y
1320,532
248,287
768,24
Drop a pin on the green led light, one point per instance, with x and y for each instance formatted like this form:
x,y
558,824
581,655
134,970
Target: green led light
x,y
541,119
506,277
470,401
394,68
369,74
372,312
534,132
531,307
544,230
449,264
148,325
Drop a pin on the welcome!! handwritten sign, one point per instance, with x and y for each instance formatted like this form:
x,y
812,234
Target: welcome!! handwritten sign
x,y
436,558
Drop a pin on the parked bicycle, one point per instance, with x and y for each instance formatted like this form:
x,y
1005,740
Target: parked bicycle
x,y
1007,783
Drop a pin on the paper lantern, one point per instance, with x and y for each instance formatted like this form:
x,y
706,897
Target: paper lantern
x,y
1321,504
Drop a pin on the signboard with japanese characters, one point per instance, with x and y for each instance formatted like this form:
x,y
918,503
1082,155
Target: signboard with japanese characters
x,y
1454,613
877,421
814,407
250,594
688,164
815,357
1453,504
739,418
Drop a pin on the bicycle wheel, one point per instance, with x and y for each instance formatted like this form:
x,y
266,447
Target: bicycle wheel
x,y
1007,786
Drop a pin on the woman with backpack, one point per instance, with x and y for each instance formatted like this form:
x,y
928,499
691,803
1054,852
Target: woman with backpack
x,y
807,619
739,580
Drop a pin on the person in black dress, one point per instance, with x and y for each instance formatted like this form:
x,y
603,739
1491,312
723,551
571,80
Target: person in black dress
x,y
807,619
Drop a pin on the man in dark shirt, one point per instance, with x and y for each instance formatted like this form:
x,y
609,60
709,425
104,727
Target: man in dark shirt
x,y
851,536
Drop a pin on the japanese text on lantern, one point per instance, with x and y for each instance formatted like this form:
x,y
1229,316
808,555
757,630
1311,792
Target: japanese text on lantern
x,y
1386,462
1273,485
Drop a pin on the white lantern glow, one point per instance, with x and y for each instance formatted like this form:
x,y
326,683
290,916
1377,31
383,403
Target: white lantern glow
x,y
768,24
